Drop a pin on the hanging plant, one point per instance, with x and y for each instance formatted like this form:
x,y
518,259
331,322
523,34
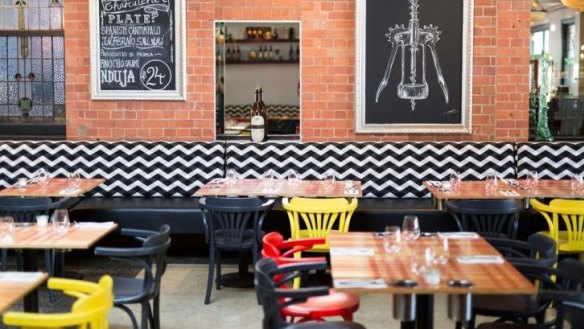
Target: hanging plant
x,y
25,105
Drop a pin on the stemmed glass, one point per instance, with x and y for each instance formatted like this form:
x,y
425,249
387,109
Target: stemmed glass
x,y
392,239
293,177
455,179
411,227
532,179
440,250
329,179
6,229
491,183
231,176
577,182
73,181
60,219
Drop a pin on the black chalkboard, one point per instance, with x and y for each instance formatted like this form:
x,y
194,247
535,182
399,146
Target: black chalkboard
x,y
136,45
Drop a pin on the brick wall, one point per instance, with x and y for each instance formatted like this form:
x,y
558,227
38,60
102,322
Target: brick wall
x,y
500,77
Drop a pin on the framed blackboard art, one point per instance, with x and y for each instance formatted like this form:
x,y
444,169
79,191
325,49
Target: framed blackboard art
x,y
413,66
137,49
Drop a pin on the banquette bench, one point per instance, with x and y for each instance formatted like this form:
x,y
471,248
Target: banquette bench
x,y
150,183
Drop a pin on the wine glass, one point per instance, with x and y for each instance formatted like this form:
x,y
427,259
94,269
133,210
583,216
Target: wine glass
x,y
42,176
532,179
440,250
73,180
329,179
6,229
411,227
392,239
491,183
293,177
60,219
455,179
231,176
577,182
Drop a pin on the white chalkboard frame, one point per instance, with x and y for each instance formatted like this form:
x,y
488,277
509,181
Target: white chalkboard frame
x,y
361,126
179,92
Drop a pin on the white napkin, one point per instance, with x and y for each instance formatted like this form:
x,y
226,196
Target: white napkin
x,y
459,235
352,251
360,283
480,259
509,193
69,191
19,276
93,224
434,183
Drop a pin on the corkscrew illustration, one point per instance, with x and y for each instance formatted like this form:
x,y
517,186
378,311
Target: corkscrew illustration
x,y
413,39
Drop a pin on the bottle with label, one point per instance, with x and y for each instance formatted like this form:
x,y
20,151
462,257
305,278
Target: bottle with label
x,y
259,119
261,53
291,54
270,53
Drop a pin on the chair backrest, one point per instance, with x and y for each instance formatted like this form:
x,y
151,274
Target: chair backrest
x,y
489,218
319,216
25,210
89,311
273,298
538,249
567,278
233,218
572,213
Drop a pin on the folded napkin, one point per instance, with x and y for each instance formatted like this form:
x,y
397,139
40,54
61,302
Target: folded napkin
x,y
459,235
353,251
360,283
69,190
93,224
509,193
19,276
434,183
514,183
480,259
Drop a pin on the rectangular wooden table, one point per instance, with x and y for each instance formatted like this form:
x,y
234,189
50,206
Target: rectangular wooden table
x,y
15,285
279,188
507,189
33,237
55,187
392,267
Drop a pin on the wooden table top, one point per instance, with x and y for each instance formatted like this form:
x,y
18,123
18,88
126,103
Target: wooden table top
x,y
56,187
16,285
546,188
279,188
486,278
39,237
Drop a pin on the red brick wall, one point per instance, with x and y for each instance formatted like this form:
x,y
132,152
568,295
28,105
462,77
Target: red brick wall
x,y
500,77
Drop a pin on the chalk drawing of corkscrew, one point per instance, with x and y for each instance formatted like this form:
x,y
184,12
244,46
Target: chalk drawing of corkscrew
x,y
413,39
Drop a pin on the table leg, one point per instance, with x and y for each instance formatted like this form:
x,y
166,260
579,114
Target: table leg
x,y
241,279
425,312
408,325
30,263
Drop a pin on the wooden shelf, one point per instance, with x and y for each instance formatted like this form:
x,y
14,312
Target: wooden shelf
x,y
262,62
236,41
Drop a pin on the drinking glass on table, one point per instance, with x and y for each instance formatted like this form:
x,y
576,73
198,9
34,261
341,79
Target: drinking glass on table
x,y
41,176
6,229
440,250
577,182
329,179
411,227
293,177
455,179
392,239
269,175
231,176
73,180
491,182
60,219
532,179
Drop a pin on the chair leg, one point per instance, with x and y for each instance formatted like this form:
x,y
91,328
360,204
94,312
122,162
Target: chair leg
x,y
156,312
145,315
211,274
218,265
130,314
5,260
49,265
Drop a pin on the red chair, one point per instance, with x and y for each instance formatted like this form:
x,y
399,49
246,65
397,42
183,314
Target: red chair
x,y
315,308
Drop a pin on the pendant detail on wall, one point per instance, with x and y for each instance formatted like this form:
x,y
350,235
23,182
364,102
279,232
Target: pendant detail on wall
x,y
412,42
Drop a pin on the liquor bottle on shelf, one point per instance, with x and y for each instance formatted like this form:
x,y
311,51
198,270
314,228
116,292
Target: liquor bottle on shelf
x,y
270,53
229,57
275,33
238,55
291,53
259,118
297,53
261,54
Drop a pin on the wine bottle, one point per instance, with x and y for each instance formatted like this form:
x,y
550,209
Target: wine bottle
x,y
297,53
238,55
259,119
271,53
229,57
291,54
261,54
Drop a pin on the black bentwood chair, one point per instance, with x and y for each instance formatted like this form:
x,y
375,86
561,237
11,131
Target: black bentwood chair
x,y
268,279
537,250
489,218
151,256
232,224
561,287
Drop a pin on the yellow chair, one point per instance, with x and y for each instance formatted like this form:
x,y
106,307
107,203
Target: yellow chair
x,y
572,212
316,218
89,311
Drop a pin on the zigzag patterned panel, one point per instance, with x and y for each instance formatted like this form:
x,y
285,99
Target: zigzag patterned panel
x,y
550,160
130,168
385,169
274,111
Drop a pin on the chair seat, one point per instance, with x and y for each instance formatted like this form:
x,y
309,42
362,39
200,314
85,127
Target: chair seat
x,y
127,290
498,304
563,244
335,303
326,325
246,243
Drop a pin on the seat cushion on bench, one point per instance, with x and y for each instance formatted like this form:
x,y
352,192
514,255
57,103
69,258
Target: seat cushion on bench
x,y
387,170
131,169
181,214
558,160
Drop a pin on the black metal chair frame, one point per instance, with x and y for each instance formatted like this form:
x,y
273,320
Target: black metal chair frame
x,y
269,277
152,252
489,218
231,224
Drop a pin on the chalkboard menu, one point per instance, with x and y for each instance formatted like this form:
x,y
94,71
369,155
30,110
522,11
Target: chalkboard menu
x,y
137,49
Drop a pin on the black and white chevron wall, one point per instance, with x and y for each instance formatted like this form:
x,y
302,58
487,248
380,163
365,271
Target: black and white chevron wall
x,y
558,160
385,169
130,168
